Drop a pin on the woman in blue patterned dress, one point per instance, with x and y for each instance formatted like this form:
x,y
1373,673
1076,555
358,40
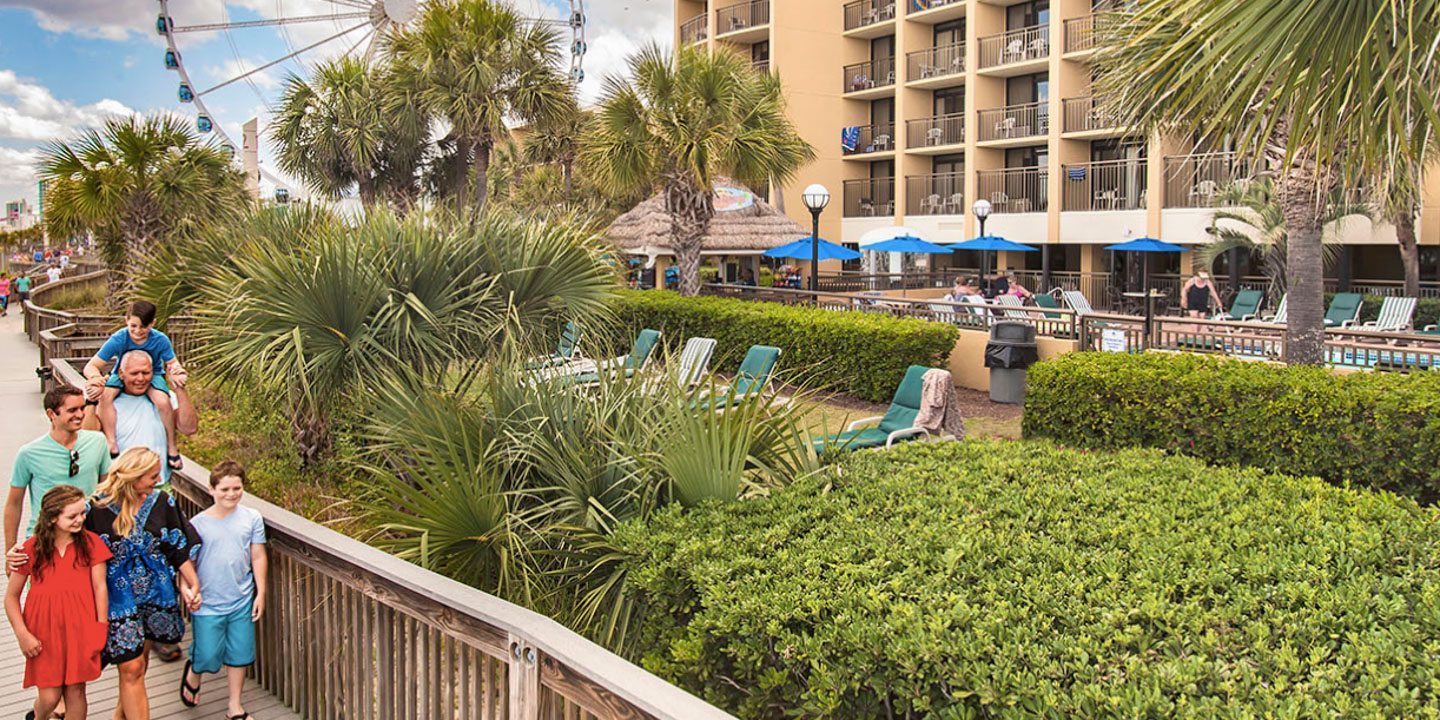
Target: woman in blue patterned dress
x,y
152,542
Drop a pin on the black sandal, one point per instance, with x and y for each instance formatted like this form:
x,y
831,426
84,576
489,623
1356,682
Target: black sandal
x,y
185,687
241,716
174,462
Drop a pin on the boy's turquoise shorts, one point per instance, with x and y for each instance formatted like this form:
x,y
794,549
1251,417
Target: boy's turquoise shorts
x,y
217,640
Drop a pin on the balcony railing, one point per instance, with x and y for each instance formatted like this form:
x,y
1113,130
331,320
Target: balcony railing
x,y
1195,181
761,65
1015,190
1105,185
938,194
694,30
1088,113
742,16
923,5
1080,34
874,197
935,131
1015,121
872,139
1024,44
867,75
868,12
935,62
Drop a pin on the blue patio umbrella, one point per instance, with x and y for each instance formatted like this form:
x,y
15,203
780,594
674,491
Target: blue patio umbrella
x,y
801,249
907,244
1146,245
990,243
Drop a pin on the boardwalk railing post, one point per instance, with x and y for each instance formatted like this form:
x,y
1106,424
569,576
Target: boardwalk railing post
x,y
524,680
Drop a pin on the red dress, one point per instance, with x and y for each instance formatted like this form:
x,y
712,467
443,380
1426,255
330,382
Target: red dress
x,y
60,611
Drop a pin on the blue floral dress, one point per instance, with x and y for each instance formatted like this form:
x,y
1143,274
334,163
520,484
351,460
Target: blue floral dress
x,y
144,602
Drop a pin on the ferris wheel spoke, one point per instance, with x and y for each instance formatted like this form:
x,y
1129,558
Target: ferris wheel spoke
x,y
273,63
271,22
374,37
361,41
352,3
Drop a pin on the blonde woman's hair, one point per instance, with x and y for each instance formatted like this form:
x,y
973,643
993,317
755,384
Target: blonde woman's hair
x,y
119,485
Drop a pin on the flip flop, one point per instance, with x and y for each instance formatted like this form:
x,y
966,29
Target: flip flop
x,y
185,687
174,462
241,716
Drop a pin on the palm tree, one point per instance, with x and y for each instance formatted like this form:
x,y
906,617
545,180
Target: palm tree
x,y
134,183
475,64
336,131
686,119
556,141
1255,223
1320,91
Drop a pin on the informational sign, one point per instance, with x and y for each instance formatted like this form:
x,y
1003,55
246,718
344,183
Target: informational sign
x,y
1112,340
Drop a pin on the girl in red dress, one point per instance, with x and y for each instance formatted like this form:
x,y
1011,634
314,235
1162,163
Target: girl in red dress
x,y
62,628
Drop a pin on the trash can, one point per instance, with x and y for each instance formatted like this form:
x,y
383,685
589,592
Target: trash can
x,y
1012,349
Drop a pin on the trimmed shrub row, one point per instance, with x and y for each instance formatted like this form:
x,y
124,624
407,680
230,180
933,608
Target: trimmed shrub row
x,y
860,354
1021,580
1379,430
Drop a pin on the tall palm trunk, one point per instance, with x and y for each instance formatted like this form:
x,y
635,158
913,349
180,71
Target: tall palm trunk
x,y
482,172
1297,192
460,174
690,210
1409,250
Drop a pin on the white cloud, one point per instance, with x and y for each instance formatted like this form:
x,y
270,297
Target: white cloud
x,y
234,68
17,174
615,30
30,112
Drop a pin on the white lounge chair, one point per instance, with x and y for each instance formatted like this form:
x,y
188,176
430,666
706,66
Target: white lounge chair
x,y
695,360
1077,302
1396,315
1013,307
1281,311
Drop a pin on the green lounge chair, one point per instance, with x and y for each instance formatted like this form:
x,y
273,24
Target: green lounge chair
x,y
1245,307
897,424
1396,315
565,350
1344,309
751,380
1046,301
625,365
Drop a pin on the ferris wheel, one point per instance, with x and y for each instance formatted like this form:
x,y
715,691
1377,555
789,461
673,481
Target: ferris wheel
x,y
308,31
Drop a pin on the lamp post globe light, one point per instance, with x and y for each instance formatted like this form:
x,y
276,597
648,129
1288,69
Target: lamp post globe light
x,y
816,197
981,208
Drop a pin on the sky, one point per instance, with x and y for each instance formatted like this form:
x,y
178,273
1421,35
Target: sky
x,y
68,64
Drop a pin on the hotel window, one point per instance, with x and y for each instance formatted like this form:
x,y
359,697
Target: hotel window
x,y
1027,89
950,101
1027,14
950,33
1035,156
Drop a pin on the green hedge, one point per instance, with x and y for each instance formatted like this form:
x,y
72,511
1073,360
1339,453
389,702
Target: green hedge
x,y
860,354
1378,430
1019,580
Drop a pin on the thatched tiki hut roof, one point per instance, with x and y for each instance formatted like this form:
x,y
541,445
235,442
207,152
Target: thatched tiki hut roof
x,y
743,225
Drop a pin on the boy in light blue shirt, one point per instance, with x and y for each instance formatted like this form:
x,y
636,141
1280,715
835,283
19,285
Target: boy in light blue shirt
x,y
232,569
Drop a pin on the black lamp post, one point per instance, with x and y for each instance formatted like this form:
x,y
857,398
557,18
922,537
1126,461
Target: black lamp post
x,y
816,197
982,208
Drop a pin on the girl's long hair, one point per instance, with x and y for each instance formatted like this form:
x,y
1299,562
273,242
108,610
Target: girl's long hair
x,y
47,530
119,485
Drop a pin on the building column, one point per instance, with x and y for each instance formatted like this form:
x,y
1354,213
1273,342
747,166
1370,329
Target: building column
x,y
1345,267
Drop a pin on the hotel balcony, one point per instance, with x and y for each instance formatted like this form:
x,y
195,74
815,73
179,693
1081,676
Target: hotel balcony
x,y
1081,36
872,140
872,197
1015,190
936,135
760,65
932,12
1024,124
1105,185
938,194
1016,52
744,23
1196,181
870,18
936,67
1086,117
870,80
694,30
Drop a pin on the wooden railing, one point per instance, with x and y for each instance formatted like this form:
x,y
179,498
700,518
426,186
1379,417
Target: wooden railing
x,y
353,633
39,318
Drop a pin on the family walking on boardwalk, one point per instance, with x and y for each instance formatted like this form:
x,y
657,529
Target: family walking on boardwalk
x,y
109,557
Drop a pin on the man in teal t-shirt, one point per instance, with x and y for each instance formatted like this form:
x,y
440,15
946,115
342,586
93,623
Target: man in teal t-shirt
x,y
66,455
22,289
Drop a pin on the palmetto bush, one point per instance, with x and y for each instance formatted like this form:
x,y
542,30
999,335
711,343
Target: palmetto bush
x,y
515,485
316,318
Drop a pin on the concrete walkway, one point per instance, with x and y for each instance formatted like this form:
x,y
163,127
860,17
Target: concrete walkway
x,y
21,420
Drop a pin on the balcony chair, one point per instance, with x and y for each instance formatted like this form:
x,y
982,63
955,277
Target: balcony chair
x,y
897,424
1396,315
737,24
933,136
999,200
867,207
1014,51
880,143
1204,191
931,205
1344,310
1108,199
1005,128
956,203
1039,48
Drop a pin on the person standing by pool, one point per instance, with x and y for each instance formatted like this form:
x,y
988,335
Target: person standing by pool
x,y
1195,297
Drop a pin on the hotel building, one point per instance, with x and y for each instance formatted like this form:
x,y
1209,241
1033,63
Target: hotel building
x,y
917,108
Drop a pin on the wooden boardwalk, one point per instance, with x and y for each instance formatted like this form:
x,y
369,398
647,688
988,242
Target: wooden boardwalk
x,y
21,421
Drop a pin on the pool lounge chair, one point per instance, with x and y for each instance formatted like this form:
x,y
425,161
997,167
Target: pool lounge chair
x,y
1014,307
1396,315
897,424
1246,306
1077,302
751,380
565,351
1344,310
625,365
1047,301
1281,311
695,360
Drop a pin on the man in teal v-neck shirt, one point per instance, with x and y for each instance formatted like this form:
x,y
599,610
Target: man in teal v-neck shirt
x,y
66,455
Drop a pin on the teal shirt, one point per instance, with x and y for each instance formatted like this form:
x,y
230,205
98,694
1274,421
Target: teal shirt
x,y
22,284
43,464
